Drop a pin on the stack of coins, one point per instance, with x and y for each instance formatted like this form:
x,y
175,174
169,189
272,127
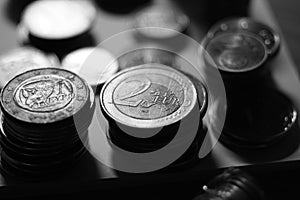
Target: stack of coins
x,y
241,50
22,59
42,131
59,26
85,63
146,104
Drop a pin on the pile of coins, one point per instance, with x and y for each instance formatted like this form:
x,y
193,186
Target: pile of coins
x,y
42,131
258,114
146,106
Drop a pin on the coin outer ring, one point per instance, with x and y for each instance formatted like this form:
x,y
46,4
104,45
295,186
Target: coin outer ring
x,y
106,96
10,107
205,42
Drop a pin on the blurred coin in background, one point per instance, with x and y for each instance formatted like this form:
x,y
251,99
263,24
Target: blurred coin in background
x,y
59,26
94,64
22,59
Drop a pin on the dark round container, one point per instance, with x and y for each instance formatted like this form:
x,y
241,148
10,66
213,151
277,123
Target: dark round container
x,y
58,26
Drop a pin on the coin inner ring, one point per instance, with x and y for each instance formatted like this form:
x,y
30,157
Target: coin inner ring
x,y
45,93
237,51
144,97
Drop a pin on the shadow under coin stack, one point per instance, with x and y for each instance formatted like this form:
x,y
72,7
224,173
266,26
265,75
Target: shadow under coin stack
x,y
42,131
152,106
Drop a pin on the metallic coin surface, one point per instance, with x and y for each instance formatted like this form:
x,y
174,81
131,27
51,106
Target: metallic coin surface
x,y
164,17
44,95
95,65
236,52
268,35
19,60
148,96
58,19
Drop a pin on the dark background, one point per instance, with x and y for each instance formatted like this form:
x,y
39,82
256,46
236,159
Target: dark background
x,y
278,183
287,13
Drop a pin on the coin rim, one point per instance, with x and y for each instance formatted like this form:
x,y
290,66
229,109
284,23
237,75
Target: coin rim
x,y
145,123
51,70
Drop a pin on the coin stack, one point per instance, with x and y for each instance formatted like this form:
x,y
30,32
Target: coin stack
x,y
258,114
147,107
42,131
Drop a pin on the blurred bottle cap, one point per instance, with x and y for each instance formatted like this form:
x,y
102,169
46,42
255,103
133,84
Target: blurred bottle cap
x,y
58,19
160,19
